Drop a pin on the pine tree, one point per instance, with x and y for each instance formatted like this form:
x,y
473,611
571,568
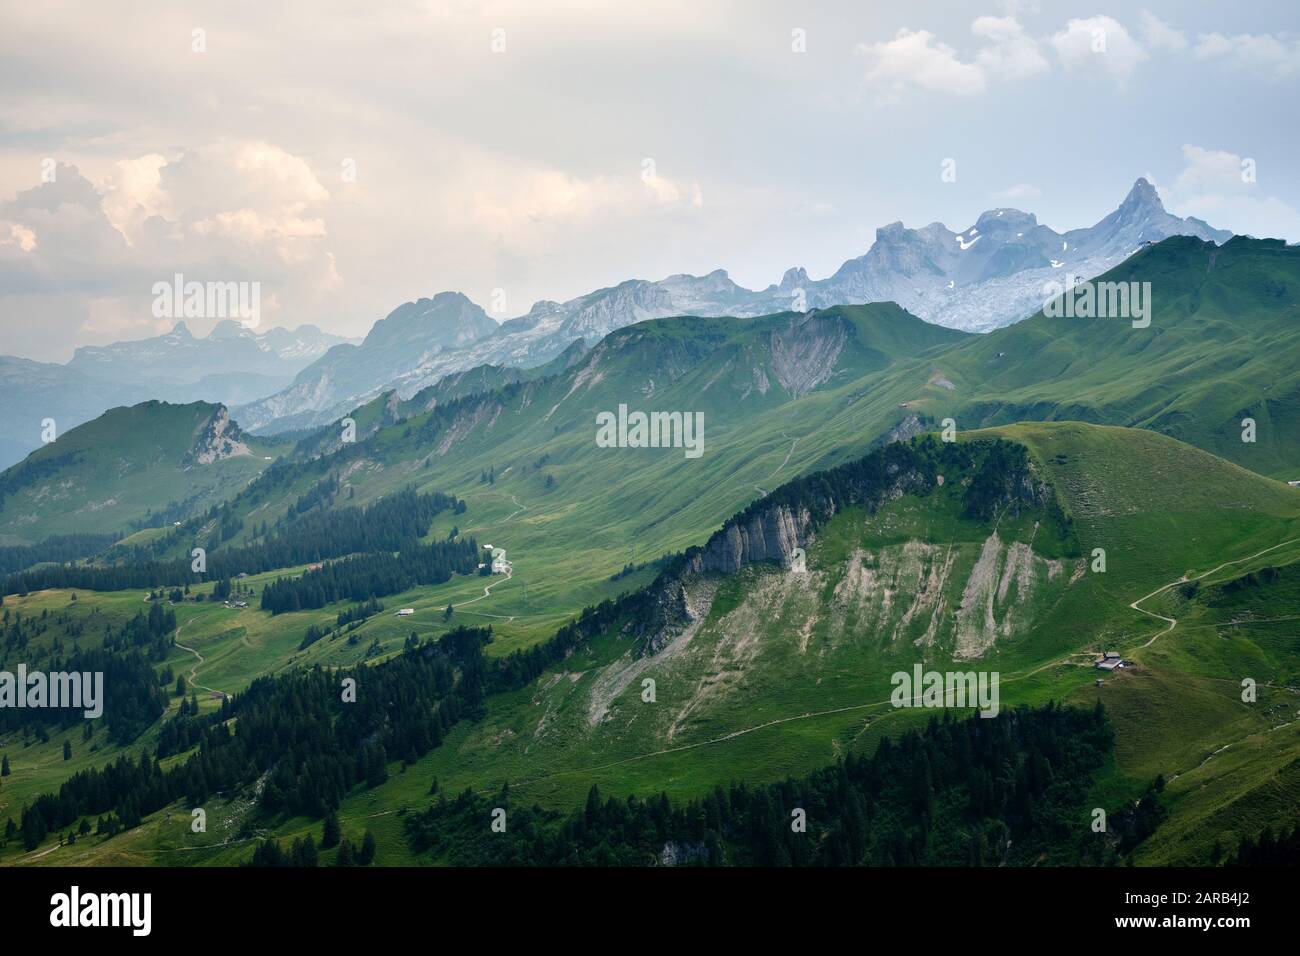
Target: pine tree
x,y
345,854
331,833
4,766
367,855
67,750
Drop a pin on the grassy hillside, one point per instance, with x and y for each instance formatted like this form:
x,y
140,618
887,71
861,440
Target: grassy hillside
x,y
153,459
780,673
802,663
1221,346
785,395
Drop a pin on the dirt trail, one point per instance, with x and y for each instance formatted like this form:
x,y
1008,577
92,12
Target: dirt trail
x,y
1173,622
195,669
487,592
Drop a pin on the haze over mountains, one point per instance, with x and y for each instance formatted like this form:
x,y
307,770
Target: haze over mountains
x,y
985,277
233,364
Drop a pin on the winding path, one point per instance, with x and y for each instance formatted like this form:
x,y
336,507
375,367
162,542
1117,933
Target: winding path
x,y
487,592
195,669
1173,621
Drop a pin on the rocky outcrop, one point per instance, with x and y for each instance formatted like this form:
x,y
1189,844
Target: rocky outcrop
x,y
769,535
805,352
219,438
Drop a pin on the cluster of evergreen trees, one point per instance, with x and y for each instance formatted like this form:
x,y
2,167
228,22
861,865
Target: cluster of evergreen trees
x,y
297,730
976,792
384,525
362,577
999,471
153,632
132,696
56,548
303,852
1269,850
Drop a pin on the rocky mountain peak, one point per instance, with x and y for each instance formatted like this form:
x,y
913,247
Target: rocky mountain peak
x,y
794,279
219,438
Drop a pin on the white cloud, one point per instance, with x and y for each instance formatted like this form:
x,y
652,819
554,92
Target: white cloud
x,y
916,58
1098,44
132,192
1211,186
1266,54
1010,54
1159,35
227,211
18,235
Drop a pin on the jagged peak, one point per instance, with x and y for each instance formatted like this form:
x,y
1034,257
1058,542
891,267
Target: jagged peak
x,y
1143,194
794,277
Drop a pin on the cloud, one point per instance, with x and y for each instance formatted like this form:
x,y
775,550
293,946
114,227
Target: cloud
x,y
229,211
1010,53
1224,188
1159,35
1265,54
916,58
1098,44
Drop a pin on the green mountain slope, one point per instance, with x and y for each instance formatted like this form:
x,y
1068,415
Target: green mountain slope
x,y
152,459
786,394
1223,345
761,671
767,672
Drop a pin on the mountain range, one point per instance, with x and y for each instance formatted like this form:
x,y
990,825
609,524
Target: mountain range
x,y
667,643
232,365
985,277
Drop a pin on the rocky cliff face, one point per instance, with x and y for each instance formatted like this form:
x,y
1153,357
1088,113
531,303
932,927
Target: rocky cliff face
x,y
1001,479
805,352
769,535
219,438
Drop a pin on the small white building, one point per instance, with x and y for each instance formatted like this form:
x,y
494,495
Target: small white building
x,y
406,612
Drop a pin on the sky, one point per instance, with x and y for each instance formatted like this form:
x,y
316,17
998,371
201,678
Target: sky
x,y
349,157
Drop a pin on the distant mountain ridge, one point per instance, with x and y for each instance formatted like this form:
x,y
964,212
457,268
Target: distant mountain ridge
x,y
232,364
179,358
982,278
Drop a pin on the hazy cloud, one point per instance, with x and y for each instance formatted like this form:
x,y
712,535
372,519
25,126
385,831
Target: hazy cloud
x,y
1224,187
1275,56
1159,35
916,58
1098,45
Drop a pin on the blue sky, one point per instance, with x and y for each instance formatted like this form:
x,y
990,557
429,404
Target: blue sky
x,y
544,150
